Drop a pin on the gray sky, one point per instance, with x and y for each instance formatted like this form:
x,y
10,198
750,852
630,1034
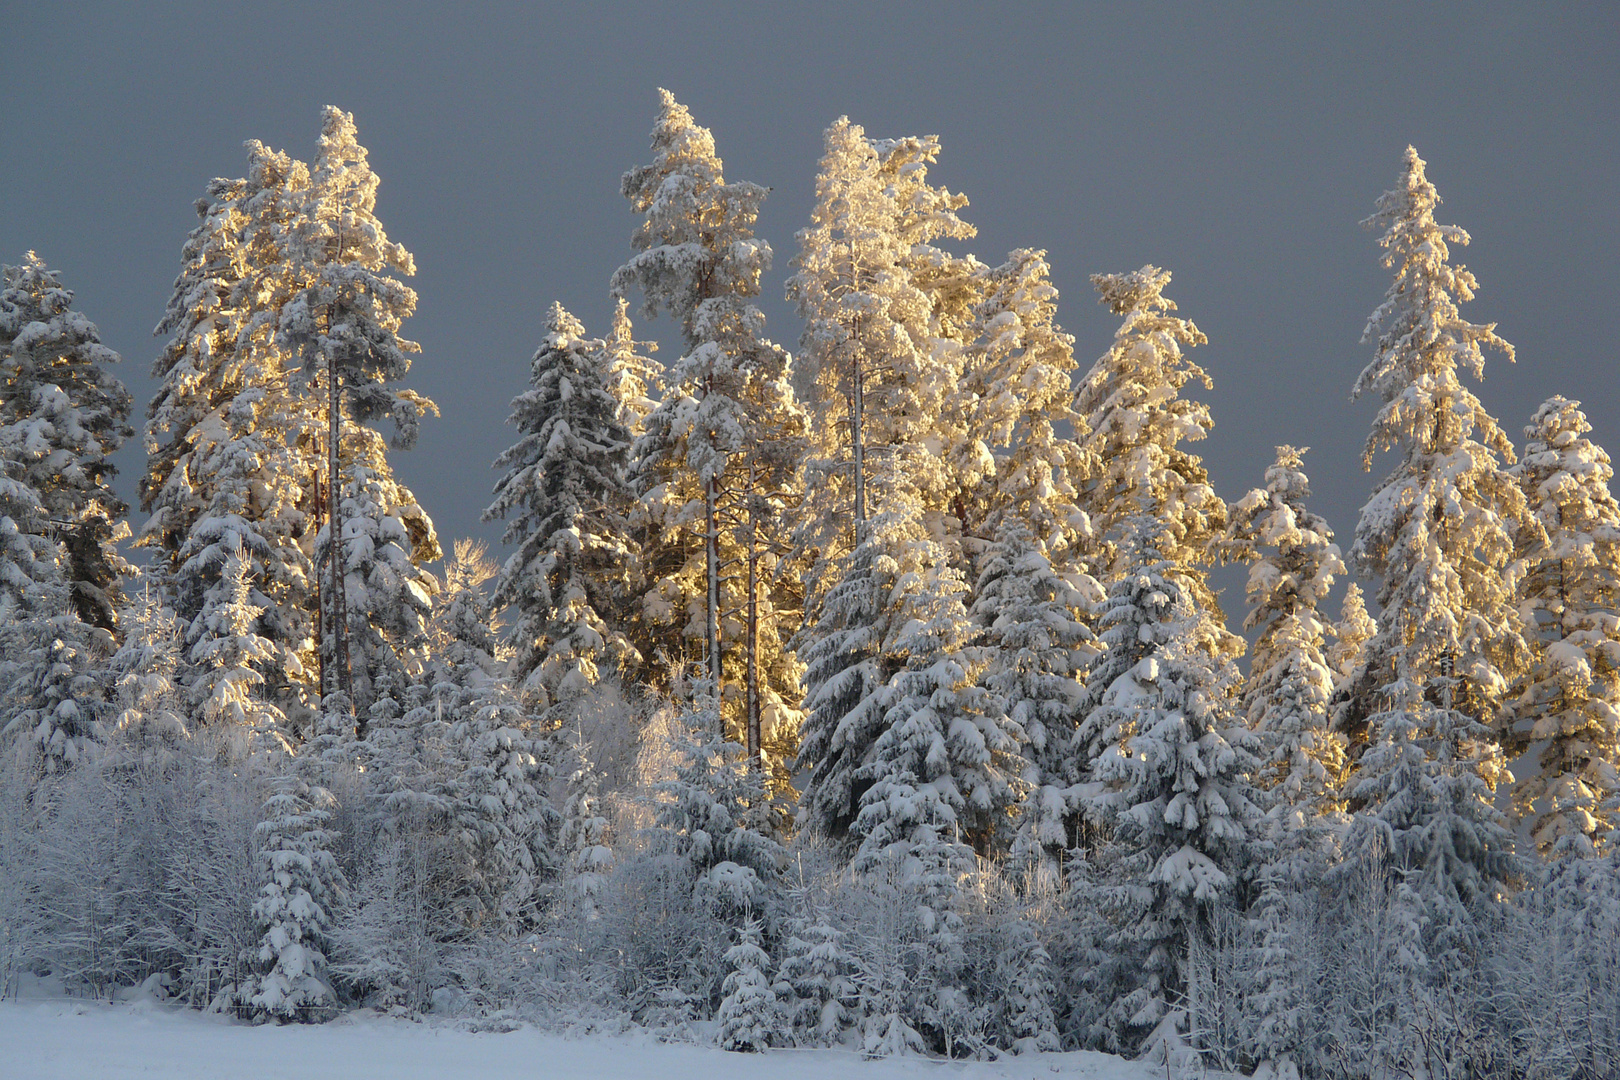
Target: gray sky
x,y
1239,152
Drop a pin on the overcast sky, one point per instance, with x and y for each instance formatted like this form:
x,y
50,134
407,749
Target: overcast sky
x,y
1239,152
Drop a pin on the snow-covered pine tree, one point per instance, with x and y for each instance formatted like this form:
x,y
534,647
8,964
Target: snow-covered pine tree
x,y
750,1017
1292,565
945,758
151,710
227,658
1568,699
583,838
713,813
63,413
566,494
1171,785
1439,535
819,971
870,338
1015,393
231,456
1029,615
1430,829
634,378
1135,421
498,807
715,445
343,325
302,882
1351,633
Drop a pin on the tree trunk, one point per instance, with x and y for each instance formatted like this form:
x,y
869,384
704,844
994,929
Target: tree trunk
x,y
857,424
754,757
342,675
711,554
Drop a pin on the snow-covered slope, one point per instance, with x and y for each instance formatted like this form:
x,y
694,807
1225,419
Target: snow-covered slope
x,y
60,1039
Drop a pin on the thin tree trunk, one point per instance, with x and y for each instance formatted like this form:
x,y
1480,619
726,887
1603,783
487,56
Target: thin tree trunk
x,y
754,759
320,593
857,424
334,546
711,553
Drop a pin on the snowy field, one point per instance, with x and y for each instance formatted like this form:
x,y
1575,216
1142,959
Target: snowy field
x,y
62,1039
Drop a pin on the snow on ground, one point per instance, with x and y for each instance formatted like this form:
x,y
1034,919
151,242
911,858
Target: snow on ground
x,y
64,1039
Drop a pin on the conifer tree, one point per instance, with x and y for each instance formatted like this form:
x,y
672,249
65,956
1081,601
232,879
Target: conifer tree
x,y
1351,633
870,340
294,908
343,325
30,564
632,377
1568,699
1439,530
1029,615
750,1017
499,813
820,971
1135,421
1023,973
50,695
1171,786
230,444
714,817
583,840
566,493
945,757
1015,393
1293,562
227,657
151,708
62,415
54,690
713,444
1430,823
1439,535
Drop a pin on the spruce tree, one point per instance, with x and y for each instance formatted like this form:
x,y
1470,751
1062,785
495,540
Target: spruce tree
x,y
714,817
750,1017
714,452
1439,530
50,694
566,493
1015,396
634,378
870,342
1293,562
1568,698
1171,786
1439,535
63,414
1029,615
151,708
343,326
230,445
1135,422
294,909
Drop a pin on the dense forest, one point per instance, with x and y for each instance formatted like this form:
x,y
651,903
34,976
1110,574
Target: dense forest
x,y
874,694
